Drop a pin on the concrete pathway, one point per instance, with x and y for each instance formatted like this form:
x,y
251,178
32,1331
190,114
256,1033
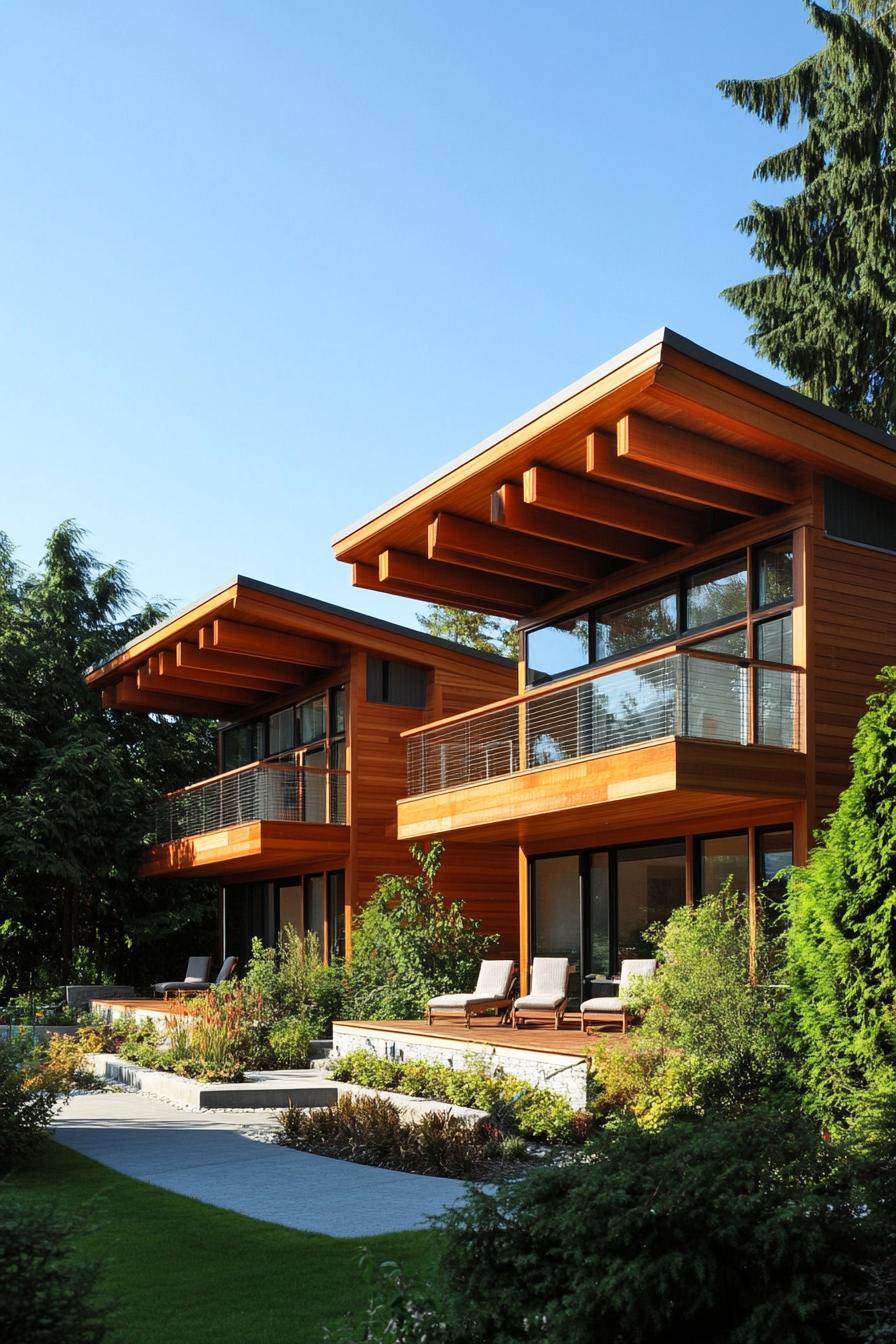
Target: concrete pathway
x,y
205,1157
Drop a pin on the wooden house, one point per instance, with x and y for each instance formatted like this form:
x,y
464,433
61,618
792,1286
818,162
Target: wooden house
x,y
703,567
311,701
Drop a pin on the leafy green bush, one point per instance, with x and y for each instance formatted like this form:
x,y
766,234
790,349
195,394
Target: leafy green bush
x,y
290,1042
841,949
713,1033
733,1229
48,1294
291,980
28,1097
408,944
372,1131
536,1112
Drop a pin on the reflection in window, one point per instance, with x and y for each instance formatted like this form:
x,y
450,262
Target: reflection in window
x,y
716,594
774,573
336,913
652,619
242,745
281,731
313,719
337,711
555,649
774,640
724,857
314,907
734,643
556,912
775,853
650,885
599,913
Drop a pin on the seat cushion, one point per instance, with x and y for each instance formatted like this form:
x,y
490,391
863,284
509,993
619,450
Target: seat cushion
x,y
544,1002
602,1006
462,1000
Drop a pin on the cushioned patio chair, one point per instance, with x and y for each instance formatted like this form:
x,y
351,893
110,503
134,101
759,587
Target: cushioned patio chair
x,y
616,1009
492,994
195,980
548,991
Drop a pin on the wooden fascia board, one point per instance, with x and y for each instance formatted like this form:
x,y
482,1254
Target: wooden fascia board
x,y
183,626
656,444
603,462
600,503
485,548
609,396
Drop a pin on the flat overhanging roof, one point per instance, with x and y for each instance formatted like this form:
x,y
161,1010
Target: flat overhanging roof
x,y
665,442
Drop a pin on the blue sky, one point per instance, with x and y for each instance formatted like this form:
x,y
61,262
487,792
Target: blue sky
x,y
262,265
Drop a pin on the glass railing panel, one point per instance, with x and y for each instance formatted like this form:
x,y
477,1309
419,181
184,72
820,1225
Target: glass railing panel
x,y
715,700
776,707
267,792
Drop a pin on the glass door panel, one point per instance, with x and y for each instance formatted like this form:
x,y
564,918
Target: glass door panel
x,y
557,914
290,894
314,785
650,885
599,914
314,907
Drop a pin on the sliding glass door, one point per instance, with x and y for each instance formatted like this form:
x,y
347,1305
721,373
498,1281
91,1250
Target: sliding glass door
x,y
595,906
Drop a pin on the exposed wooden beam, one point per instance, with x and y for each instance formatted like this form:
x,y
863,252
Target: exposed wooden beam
x,y
459,586
660,445
170,666
509,509
150,676
462,541
368,576
125,694
602,461
253,641
581,498
232,670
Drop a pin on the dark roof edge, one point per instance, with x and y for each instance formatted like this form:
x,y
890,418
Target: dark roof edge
x,y
316,604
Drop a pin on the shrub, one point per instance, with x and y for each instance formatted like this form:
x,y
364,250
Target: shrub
x,y
291,980
65,1066
841,907
713,1033
371,1130
408,944
536,1112
290,1042
727,1229
28,1098
48,1295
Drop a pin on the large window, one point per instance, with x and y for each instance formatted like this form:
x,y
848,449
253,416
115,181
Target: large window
x,y
724,858
336,913
717,595
651,619
314,730
242,745
857,516
557,649
651,884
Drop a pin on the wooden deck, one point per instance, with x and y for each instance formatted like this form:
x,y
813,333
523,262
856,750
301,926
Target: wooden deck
x,y
487,1031
164,1007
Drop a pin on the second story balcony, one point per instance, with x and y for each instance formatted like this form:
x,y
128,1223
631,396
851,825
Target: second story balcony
x,y
266,814
639,740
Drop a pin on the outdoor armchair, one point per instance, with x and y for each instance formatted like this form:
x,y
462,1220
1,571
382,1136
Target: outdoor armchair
x,y
616,1009
196,978
492,993
546,1000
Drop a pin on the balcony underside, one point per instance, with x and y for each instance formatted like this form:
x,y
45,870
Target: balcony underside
x,y
663,782
252,849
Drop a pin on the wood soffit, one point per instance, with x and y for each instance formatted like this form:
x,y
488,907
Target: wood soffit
x,y
656,459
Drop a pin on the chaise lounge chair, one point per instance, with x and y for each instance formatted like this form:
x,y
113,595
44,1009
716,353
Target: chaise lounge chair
x,y
195,981
492,993
616,1009
546,1000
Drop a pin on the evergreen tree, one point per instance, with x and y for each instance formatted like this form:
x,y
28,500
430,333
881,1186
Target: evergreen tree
x,y
841,943
825,311
77,782
489,634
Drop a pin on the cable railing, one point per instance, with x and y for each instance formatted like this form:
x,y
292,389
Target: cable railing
x,y
265,791
686,694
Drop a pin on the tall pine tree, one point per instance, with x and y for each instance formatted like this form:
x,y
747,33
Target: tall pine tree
x,y
825,311
488,634
77,783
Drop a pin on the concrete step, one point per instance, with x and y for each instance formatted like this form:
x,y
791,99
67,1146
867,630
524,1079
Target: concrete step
x,y
271,1090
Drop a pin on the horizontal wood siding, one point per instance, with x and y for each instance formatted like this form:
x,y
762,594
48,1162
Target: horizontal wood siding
x,y
853,624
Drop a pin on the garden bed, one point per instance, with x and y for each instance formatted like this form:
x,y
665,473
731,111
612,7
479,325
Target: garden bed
x,y
268,1090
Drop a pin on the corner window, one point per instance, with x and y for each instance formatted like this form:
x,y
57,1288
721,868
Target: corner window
x,y
716,594
774,640
312,719
553,650
774,573
242,745
652,619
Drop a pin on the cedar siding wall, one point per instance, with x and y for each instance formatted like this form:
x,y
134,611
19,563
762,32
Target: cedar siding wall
x,y
485,879
853,621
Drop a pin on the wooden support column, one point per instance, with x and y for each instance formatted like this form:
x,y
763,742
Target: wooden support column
x,y
524,920
752,898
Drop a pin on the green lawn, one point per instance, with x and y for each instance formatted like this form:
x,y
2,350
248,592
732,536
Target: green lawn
x,y
177,1270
